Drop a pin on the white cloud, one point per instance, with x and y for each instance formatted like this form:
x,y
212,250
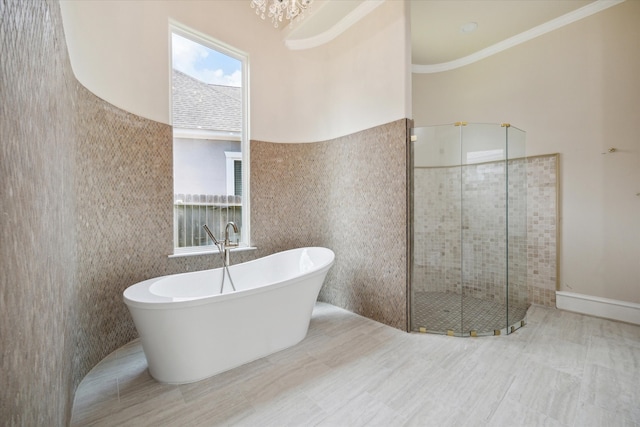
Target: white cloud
x,y
186,53
189,58
217,77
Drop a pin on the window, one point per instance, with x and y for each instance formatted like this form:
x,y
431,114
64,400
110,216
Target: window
x,y
210,140
234,172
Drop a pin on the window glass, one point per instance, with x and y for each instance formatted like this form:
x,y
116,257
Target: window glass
x,y
209,141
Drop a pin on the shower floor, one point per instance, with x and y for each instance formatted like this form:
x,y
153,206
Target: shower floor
x,y
441,312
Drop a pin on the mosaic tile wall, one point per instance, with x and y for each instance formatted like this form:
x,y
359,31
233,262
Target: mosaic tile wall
x,y
542,229
37,241
443,255
87,211
348,194
517,249
124,198
436,212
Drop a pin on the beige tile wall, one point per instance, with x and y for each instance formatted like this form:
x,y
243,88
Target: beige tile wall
x,y
542,229
438,254
86,212
124,196
348,194
37,216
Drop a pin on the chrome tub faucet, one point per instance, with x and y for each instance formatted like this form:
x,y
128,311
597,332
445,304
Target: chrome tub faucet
x,y
227,243
224,248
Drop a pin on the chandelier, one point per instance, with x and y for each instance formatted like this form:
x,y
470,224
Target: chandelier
x,y
279,9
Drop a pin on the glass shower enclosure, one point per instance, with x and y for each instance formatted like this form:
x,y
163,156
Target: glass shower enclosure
x,y
468,208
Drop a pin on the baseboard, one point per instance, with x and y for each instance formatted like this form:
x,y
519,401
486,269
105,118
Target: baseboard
x,y
600,307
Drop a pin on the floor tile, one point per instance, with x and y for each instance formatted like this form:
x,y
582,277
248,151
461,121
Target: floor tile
x,y
561,369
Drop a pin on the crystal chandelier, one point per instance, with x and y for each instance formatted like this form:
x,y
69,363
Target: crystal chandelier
x,y
279,9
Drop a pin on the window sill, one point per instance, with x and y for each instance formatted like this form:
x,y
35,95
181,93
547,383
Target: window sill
x,y
210,251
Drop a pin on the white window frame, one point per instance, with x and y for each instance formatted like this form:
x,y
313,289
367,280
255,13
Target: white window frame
x,y
232,157
243,57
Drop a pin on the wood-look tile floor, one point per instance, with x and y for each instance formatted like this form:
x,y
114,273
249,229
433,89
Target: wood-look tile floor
x,y
561,369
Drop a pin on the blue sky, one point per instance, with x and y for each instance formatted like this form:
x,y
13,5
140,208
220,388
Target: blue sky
x,y
205,64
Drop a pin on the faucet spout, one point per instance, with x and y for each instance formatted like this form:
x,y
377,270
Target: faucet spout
x,y
227,245
226,233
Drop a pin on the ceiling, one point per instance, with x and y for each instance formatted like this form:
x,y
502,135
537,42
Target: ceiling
x,y
436,34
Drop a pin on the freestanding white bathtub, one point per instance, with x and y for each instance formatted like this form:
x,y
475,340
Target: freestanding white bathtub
x,y
189,331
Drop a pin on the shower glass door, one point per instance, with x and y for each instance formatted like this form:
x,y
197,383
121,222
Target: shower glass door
x,y
483,231
517,273
436,245
468,229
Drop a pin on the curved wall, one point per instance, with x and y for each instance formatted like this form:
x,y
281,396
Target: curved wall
x,y
38,241
348,194
86,211
120,51
575,92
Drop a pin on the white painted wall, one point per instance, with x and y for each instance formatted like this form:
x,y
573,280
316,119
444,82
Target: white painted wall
x,y
360,79
119,50
576,92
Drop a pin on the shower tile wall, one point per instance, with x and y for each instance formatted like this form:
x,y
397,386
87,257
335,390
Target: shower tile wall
x,y
517,249
483,231
441,255
348,194
542,229
437,212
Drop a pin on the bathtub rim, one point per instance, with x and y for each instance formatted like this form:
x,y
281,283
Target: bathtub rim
x,y
156,302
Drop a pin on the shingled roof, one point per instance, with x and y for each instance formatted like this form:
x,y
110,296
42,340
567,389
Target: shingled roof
x,y
199,105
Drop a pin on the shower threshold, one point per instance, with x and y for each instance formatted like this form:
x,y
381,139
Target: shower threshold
x,y
442,313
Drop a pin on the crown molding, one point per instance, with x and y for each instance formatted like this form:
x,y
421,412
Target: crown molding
x,y
365,8
554,24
